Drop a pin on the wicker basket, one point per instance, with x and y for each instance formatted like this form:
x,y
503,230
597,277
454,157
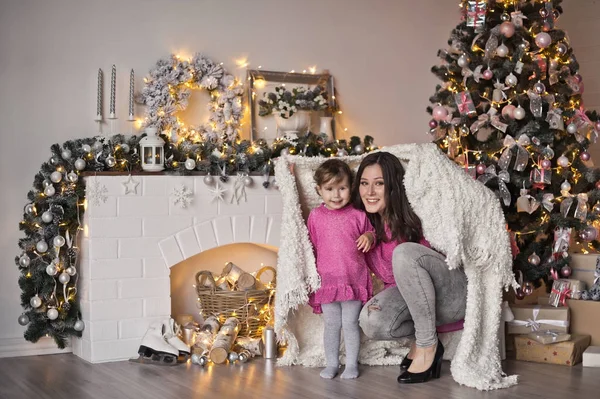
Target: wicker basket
x,y
244,305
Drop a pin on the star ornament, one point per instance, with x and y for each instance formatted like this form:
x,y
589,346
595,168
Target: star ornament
x,y
130,185
218,193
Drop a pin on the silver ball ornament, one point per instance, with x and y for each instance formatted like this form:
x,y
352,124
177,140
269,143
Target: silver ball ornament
x,y
544,12
110,161
464,130
524,45
71,271
56,177
190,164
98,146
30,209
47,217
528,288
342,152
359,149
547,152
463,61
505,17
563,161
195,358
208,180
534,259
562,48
502,50
588,234
41,246
203,361
72,177
539,88
565,186
243,357
232,357
58,241
52,314
248,181
596,207
80,164
64,278
66,154
23,319
572,128
35,301
125,148
79,325
24,260
86,148
511,80
49,191
51,270
46,183
54,160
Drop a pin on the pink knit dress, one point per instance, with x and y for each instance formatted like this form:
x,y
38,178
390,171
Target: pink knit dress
x,y
342,267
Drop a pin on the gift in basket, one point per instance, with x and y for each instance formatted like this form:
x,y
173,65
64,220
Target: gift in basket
x,y
236,293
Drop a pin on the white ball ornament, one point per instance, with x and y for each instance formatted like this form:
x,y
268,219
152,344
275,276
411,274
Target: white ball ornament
x,y
35,301
58,241
71,271
539,88
563,161
543,40
86,148
572,128
49,191
463,61
79,325
519,113
51,269
52,314
190,164
511,80
565,186
64,278
110,161
56,177
24,260
341,152
72,177
66,154
248,181
47,217
208,180
80,164
195,358
502,50
41,246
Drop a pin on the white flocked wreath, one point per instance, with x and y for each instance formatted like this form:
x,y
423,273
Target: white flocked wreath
x,y
169,85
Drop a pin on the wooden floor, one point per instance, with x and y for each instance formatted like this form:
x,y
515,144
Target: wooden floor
x,y
67,376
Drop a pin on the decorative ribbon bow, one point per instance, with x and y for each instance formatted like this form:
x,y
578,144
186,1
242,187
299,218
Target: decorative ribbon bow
x,y
536,102
562,295
491,117
581,119
554,118
503,178
535,324
522,155
555,73
581,210
476,74
517,18
596,277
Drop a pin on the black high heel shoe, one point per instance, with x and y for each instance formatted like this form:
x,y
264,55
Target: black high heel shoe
x,y
405,364
432,372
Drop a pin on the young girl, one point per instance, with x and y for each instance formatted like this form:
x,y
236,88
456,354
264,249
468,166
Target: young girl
x,y
340,235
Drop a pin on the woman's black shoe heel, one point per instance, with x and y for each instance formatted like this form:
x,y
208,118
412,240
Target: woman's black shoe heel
x,y
405,364
433,371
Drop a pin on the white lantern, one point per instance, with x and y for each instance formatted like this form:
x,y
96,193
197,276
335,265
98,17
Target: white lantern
x,y
152,150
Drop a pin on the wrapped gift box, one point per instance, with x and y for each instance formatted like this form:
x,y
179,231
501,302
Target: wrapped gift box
x,y
585,317
530,318
563,289
583,267
567,353
591,357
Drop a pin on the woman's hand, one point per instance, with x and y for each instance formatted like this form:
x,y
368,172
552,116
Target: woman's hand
x,y
365,242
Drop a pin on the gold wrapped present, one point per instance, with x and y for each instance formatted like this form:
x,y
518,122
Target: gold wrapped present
x,y
566,353
529,318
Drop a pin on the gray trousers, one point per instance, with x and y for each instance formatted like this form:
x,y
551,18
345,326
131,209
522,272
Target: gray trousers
x,y
427,295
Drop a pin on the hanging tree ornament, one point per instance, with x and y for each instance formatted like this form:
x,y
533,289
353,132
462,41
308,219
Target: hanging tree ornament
x,y
41,246
51,269
110,161
56,177
190,164
208,180
23,319
534,259
79,325
507,29
511,80
52,314
526,203
543,40
24,260
49,191
80,164
72,177
502,51
563,161
519,113
35,301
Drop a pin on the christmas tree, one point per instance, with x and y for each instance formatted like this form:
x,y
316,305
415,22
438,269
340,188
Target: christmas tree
x,y
510,112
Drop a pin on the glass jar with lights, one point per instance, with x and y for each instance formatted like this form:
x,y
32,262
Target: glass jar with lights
x,y
152,151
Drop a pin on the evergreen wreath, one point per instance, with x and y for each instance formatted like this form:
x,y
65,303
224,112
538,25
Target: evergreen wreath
x,y
168,88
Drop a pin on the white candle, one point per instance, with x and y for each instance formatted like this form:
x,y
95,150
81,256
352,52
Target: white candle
x,y
99,97
113,83
131,96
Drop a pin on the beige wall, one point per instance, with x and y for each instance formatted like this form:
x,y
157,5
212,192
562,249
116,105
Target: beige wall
x,y
380,52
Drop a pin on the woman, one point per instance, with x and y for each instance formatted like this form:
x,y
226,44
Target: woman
x,y
421,295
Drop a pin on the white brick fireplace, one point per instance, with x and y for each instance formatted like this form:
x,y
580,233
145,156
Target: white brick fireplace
x,y
131,241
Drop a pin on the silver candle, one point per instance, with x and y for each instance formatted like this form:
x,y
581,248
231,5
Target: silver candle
x,y
270,343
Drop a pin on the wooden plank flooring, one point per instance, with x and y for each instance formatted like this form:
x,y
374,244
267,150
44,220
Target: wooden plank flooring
x,y
67,376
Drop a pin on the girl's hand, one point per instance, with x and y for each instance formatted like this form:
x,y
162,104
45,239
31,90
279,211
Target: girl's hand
x,y
364,242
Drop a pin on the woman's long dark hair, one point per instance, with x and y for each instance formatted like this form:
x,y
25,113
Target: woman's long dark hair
x,y
402,221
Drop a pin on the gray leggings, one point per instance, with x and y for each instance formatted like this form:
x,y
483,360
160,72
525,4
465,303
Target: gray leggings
x,y
427,294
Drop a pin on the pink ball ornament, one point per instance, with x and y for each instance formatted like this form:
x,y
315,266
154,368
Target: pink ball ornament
x,y
433,124
507,29
588,234
598,125
566,271
488,74
543,40
480,168
528,288
598,185
546,164
578,78
585,156
546,27
439,113
519,294
508,111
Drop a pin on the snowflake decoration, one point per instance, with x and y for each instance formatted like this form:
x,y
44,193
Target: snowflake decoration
x,y
97,193
182,196
239,189
218,192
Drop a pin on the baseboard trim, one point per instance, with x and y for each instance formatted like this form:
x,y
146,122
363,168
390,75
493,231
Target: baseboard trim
x,y
15,347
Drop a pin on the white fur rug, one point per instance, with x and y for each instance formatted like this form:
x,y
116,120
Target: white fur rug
x,y
460,217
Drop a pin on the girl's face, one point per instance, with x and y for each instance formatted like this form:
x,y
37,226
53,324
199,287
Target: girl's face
x,y
335,194
372,189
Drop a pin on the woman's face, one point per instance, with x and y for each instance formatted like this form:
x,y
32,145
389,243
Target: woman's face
x,y
372,189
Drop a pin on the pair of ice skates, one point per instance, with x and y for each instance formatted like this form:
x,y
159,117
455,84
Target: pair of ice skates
x,y
161,345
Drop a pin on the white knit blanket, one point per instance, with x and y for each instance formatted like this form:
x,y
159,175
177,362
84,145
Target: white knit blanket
x,y
460,217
